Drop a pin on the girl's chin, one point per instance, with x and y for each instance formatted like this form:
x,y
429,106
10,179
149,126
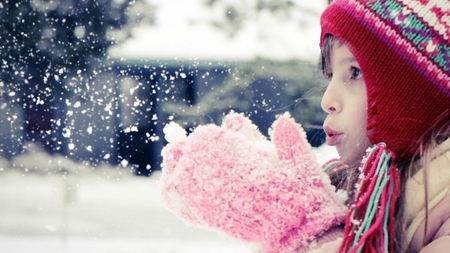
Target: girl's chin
x,y
352,157
350,160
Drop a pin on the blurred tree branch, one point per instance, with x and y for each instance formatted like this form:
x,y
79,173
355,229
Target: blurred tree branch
x,y
234,14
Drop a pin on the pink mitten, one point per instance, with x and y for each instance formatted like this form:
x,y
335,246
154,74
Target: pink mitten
x,y
232,179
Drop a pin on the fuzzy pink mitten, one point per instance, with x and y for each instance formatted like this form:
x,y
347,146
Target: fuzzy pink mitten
x,y
232,179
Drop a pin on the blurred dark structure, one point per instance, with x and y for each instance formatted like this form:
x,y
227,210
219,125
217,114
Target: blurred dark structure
x,y
143,87
151,84
155,85
116,114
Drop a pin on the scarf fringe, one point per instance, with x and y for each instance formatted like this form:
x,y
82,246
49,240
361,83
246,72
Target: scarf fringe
x,y
369,225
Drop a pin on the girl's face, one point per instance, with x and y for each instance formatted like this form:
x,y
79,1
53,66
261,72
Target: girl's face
x,y
345,101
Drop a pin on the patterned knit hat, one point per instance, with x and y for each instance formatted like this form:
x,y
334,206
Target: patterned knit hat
x,y
403,50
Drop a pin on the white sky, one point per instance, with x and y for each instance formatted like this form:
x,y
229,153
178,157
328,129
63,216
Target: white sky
x,y
182,32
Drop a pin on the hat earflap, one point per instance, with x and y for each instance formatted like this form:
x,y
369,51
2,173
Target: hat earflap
x,y
369,225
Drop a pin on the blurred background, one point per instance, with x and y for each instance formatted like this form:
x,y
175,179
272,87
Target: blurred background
x,y
86,87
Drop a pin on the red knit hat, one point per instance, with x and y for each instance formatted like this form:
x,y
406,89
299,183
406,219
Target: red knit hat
x,y
403,50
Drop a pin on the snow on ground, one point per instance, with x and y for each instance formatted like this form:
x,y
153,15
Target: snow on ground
x,y
93,210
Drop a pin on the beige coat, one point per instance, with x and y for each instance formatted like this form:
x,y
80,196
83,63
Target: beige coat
x,y
437,236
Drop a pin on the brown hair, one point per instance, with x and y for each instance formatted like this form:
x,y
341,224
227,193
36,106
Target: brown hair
x,y
346,177
427,145
325,56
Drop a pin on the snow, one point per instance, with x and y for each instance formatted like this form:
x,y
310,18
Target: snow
x,y
183,32
51,204
174,132
325,153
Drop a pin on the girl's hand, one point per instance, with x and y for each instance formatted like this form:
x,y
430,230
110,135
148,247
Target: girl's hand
x,y
231,178
328,242
330,247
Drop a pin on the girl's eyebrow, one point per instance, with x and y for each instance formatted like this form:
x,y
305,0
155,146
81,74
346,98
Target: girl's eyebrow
x,y
350,59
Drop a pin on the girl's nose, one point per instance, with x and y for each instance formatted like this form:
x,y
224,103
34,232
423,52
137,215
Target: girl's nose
x,y
330,99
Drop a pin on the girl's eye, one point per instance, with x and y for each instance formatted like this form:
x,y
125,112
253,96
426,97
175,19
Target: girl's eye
x,y
356,73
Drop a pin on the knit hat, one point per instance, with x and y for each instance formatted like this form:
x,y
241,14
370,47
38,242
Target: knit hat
x,y
403,50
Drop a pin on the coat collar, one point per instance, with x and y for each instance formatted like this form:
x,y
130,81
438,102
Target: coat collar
x,y
438,187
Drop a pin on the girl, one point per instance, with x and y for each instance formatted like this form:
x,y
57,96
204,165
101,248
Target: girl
x,y
388,100
388,105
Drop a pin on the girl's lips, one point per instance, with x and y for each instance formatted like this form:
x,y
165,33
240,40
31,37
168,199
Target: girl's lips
x,y
332,136
332,139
